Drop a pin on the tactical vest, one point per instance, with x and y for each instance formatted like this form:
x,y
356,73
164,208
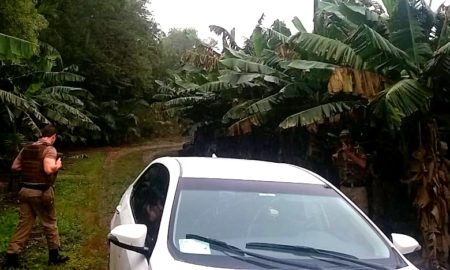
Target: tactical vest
x,y
32,162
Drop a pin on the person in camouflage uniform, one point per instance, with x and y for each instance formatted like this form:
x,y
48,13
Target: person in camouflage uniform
x,y
351,163
38,163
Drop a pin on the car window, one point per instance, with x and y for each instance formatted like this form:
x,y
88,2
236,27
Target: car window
x,y
240,212
148,198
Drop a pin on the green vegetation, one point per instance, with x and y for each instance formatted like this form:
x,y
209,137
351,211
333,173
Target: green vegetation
x,y
52,51
176,44
8,219
106,74
116,46
283,96
21,19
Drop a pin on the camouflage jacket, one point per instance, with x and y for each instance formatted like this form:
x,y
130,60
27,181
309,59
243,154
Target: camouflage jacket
x,y
349,171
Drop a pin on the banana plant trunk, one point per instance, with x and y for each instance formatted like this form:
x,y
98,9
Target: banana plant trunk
x,y
430,174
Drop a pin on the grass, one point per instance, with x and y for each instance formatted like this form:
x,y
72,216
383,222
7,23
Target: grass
x,y
87,192
8,219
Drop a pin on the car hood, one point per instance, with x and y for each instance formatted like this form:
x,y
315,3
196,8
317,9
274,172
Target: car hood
x,y
173,264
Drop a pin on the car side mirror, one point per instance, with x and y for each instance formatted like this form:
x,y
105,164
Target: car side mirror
x,y
404,243
130,237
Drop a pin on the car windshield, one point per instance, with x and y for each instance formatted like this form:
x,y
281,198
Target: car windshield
x,y
240,212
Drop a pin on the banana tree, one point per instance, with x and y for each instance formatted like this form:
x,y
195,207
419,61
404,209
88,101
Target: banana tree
x,y
267,81
12,51
376,57
375,53
392,55
279,82
33,92
395,63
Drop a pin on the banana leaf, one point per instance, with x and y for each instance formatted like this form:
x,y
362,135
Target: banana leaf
x,y
245,126
237,112
230,53
28,121
66,114
318,114
272,34
401,100
378,52
183,101
12,48
258,41
439,64
75,91
241,65
308,65
407,33
163,97
266,104
63,97
237,78
216,86
331,50
389,5
298,24
57,78
14,100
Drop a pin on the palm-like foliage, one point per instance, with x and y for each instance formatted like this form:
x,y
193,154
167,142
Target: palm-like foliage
x,y
401,100
9,98
316,115
61,104
381,53
36,93
267,80
396,47
378,52
228,38
12,48
409,28
289,81
327,49
187,100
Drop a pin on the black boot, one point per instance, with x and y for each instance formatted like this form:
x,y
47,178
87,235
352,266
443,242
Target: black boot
x,y
55,258
11,261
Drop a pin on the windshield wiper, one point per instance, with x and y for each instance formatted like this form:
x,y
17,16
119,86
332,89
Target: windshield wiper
x,y
224,247
330,256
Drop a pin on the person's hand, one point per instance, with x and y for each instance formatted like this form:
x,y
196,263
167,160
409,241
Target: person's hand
x,y
344,147
58,163
334,156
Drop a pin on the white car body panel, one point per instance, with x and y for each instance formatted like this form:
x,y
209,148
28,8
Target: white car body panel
x,y
261,170
196,167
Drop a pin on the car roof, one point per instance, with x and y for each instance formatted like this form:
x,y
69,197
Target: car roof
x,y
228,168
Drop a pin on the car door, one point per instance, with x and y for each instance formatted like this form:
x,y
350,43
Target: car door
x,y
148,198
146,202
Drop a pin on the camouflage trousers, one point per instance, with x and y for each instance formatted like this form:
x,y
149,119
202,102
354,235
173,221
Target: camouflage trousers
x,y
34,204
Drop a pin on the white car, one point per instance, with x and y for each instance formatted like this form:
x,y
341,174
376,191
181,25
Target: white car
x,y
217,213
